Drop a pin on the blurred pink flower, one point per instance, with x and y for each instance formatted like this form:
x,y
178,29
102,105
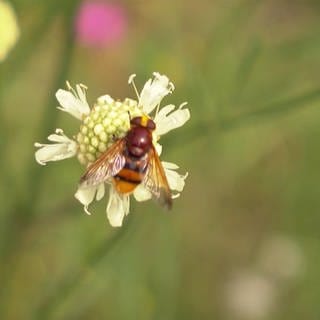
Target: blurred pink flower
x,y
100,23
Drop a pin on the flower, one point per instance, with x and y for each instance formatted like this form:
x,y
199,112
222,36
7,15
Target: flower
x,y
250,295
99,23
281,257
9,30
109,120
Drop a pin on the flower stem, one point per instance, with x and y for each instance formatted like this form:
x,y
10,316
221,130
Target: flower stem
x,y
72,281
48,124
21,215
14,65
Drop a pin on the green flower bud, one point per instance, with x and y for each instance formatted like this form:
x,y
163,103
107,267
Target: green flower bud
x,y
108,121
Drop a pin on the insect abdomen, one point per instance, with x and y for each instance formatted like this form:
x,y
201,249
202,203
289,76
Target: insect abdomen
x,y
130,176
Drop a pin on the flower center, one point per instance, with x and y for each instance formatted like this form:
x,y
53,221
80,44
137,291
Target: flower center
x,y
108,121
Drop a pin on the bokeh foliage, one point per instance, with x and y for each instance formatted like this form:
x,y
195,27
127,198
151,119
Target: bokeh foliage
x,y
250,73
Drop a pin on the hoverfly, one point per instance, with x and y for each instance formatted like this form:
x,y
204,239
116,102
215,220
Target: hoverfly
x,y
131,161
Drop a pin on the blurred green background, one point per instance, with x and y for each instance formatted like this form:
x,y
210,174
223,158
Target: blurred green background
x,y
243,240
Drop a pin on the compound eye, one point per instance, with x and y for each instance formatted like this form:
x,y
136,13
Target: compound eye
x,y
151,125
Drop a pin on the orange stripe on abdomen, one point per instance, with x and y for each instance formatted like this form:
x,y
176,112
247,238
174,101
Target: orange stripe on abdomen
x,y
127,180
130,175
124,187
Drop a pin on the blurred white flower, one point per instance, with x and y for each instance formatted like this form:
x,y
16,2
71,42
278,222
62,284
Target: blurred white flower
x,y
281,257
109,120
249,296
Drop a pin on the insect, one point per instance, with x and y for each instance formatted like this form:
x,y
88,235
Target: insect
x,y
131,161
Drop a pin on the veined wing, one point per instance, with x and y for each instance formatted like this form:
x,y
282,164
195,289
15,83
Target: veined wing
x,y
156,181
106,166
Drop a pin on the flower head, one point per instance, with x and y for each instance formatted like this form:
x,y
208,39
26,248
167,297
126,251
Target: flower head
x,y
9,30
109,121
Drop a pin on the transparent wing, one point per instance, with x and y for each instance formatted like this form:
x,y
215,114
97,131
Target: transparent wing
x,y
156,181
106,166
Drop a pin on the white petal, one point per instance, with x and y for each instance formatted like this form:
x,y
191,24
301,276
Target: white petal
x,y
117,208
141,193
166,121
154,91
163,112
175,180
81,92
158,148
63,149
73,102
170,165
59,137
86,195
100,191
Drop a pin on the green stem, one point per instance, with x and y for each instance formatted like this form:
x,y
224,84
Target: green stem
x,y
73,281
48,124
13,66
196,132
281,108
24,211
21,216
50,116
